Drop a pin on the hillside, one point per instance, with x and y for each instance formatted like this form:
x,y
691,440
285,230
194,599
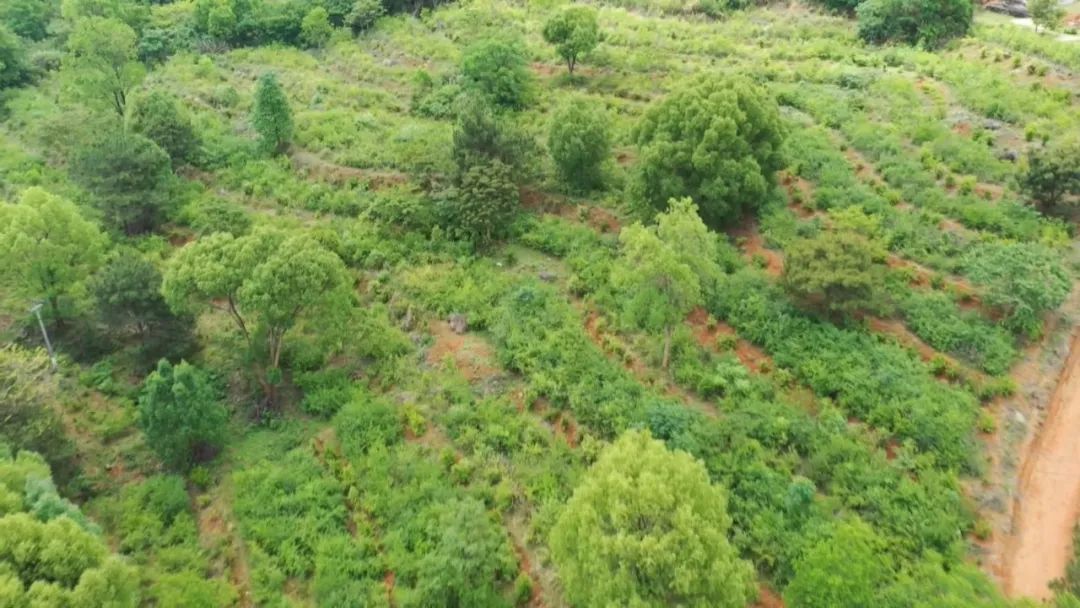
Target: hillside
x,y
390,304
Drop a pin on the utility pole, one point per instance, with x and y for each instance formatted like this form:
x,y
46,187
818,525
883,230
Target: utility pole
x,y
44,334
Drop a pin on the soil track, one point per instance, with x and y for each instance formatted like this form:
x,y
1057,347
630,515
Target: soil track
x,y
1048,502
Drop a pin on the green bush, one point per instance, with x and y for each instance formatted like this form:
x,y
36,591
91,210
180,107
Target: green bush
x,y
497,70
580,143
929,23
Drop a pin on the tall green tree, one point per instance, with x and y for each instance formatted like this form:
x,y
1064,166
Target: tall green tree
x,y
102,62
482,135
181,415
272,115
580,142
14,67
497,69
1052,178
574,32
645,527
848,569
838,271
49,553
315,29
661,270
1046,14
484,203
129,177
47,247
159,117
716,140
29,18
266,281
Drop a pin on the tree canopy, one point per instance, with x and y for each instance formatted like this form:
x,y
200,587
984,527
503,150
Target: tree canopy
x,y
272,115
837,271
496,69
1052,179
574,32
646,527
716,140
102,61
580,142
930,23
180,414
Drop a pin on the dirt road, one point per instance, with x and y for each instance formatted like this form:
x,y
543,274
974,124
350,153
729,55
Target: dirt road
x,y
1048,502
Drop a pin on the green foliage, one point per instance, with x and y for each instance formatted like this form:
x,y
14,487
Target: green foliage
x,y
159,117
469,561
28,18
482,136
574,32
366,422
1046,14
128,176
716,140
840,6
483,205
28,397
268,282
497,70
315,29
14,66
838,271
645,527
580,143
48,557
207,216
1053,173
102,62
47,247
272,116
847,569
364,14
928,23
1023,280
180,414
937,320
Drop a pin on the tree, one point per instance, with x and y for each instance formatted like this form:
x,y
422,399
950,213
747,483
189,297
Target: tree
x,y
929,23
180,414
128,176
579,142
481,136
484,203
1046,14
50,555
102,62
28,18
14,69
847,569
837,270
315,29
574,32
47,246
364,14
469,559
645,527
716,140
159,117
272,116
1053,174
29,393
1023,280
266,281
497,69
661,270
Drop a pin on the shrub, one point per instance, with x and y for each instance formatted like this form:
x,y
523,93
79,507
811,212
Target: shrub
x,y
497,69
483,205
835,271
159,118
365,422
181,415
207,216
1053,173
925,22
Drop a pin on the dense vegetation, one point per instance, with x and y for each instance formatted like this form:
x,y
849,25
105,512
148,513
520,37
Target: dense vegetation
x,y
412,303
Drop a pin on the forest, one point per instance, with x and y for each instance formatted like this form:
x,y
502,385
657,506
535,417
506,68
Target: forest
x,y
536,303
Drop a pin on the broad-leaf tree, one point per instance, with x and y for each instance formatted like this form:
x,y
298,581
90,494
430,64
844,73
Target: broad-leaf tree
x,y
484,202
272,116
847,569
497,69
47,247
929,23
29,420
1023,280
128,176
266,281
645,527
482,135
662,269
159,117
28,18
716,140
102,62
1052,178
838,271
14,67
1046,14
574,32
580,142
180,413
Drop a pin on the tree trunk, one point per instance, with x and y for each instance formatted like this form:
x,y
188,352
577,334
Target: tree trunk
x,y
54,306
570,65
667,347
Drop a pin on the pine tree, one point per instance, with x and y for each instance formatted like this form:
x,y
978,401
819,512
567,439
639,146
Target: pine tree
x,y
272,116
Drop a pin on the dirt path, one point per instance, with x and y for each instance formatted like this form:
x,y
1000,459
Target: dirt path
x,y
1049,498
